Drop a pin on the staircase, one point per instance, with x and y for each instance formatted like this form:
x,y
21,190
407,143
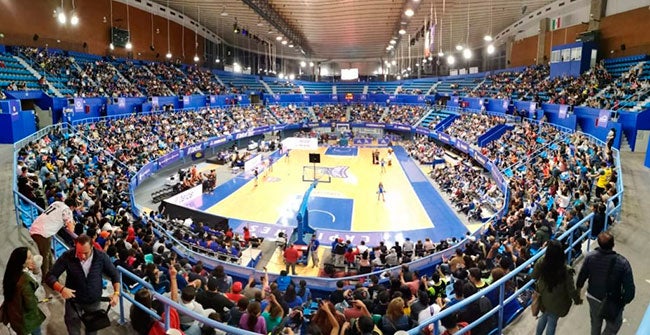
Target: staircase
x,y
266,86
334,89
478,85
38,75
146,68
433,87
302,89
80,71
397,89
365,89
219,80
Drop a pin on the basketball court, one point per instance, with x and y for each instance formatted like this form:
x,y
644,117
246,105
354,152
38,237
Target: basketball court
x,y
345,202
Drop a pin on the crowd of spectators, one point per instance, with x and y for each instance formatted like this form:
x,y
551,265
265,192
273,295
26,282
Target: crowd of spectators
x,y
251,117
204,80
405,114
626,88
291,114
422,150
366,113
468,127
138,139
144,80
330,113
174,78
52,64
101,78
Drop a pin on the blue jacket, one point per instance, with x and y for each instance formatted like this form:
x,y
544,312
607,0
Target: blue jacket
x,y
88,289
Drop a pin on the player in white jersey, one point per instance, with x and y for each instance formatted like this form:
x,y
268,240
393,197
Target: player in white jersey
x,y
48,224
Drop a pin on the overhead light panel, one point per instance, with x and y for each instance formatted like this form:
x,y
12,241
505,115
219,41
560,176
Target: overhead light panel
x,y
409,12
467,53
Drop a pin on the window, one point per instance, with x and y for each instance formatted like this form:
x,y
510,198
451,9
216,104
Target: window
x,y
555,56
576,53
566,55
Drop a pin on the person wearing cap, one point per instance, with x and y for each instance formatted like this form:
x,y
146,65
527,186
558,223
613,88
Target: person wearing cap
x,y
235,292
46,225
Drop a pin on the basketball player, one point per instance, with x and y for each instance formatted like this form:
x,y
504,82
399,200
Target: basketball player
x,y
380,192
270,164
382,164
256,173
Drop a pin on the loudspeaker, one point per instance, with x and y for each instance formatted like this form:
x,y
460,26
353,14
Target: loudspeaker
x,y
35,38
314,158
622,47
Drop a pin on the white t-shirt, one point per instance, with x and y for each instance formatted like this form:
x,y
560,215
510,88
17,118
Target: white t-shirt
x,y
428,313
54,217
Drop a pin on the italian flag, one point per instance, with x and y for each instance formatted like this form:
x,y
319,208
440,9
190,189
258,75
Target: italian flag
x,y
556,23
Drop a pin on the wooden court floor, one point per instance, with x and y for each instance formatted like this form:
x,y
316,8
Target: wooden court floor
x,y
279,191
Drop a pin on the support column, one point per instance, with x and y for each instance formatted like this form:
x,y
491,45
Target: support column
x,y
509,43
596,12
541,39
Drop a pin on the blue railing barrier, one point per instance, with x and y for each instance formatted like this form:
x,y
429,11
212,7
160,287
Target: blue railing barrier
x,y
170,304
31,211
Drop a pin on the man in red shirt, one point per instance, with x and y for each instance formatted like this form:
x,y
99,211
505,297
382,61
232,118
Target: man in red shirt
x,y
235,292
291,255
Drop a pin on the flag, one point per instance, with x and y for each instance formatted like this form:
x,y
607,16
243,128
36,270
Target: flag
x,y
556,23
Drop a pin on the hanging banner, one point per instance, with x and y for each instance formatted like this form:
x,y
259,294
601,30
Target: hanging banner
x,y
603,118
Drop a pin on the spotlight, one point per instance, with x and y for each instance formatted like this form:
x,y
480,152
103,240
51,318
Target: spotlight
x,y
490,49
451,60
281,76
292,76
284,42
74,20
402,31
196,58
303,64
311,64
467,53
290,45
393,62
487,38
279,38
168,55
61,17
409,12
441,54
393,42
459,47
408,68
128,45
217,60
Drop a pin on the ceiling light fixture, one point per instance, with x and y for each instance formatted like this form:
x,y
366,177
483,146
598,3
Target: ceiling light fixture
x,y
459,47
441,54
487,38
490,49
409,12
393,42
61,16
128,45
402,31
284,42
279,38
169,52
467,53
451,59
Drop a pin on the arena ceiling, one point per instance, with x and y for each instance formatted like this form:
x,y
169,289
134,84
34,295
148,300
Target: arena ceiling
x,y
352,30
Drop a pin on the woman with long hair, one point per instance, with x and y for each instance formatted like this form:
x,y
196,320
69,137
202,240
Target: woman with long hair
x,y
252,319
21,303
395,319
555,286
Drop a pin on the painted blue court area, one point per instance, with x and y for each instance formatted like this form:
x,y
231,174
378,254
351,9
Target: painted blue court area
x,y
330,213
341,151
445,220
